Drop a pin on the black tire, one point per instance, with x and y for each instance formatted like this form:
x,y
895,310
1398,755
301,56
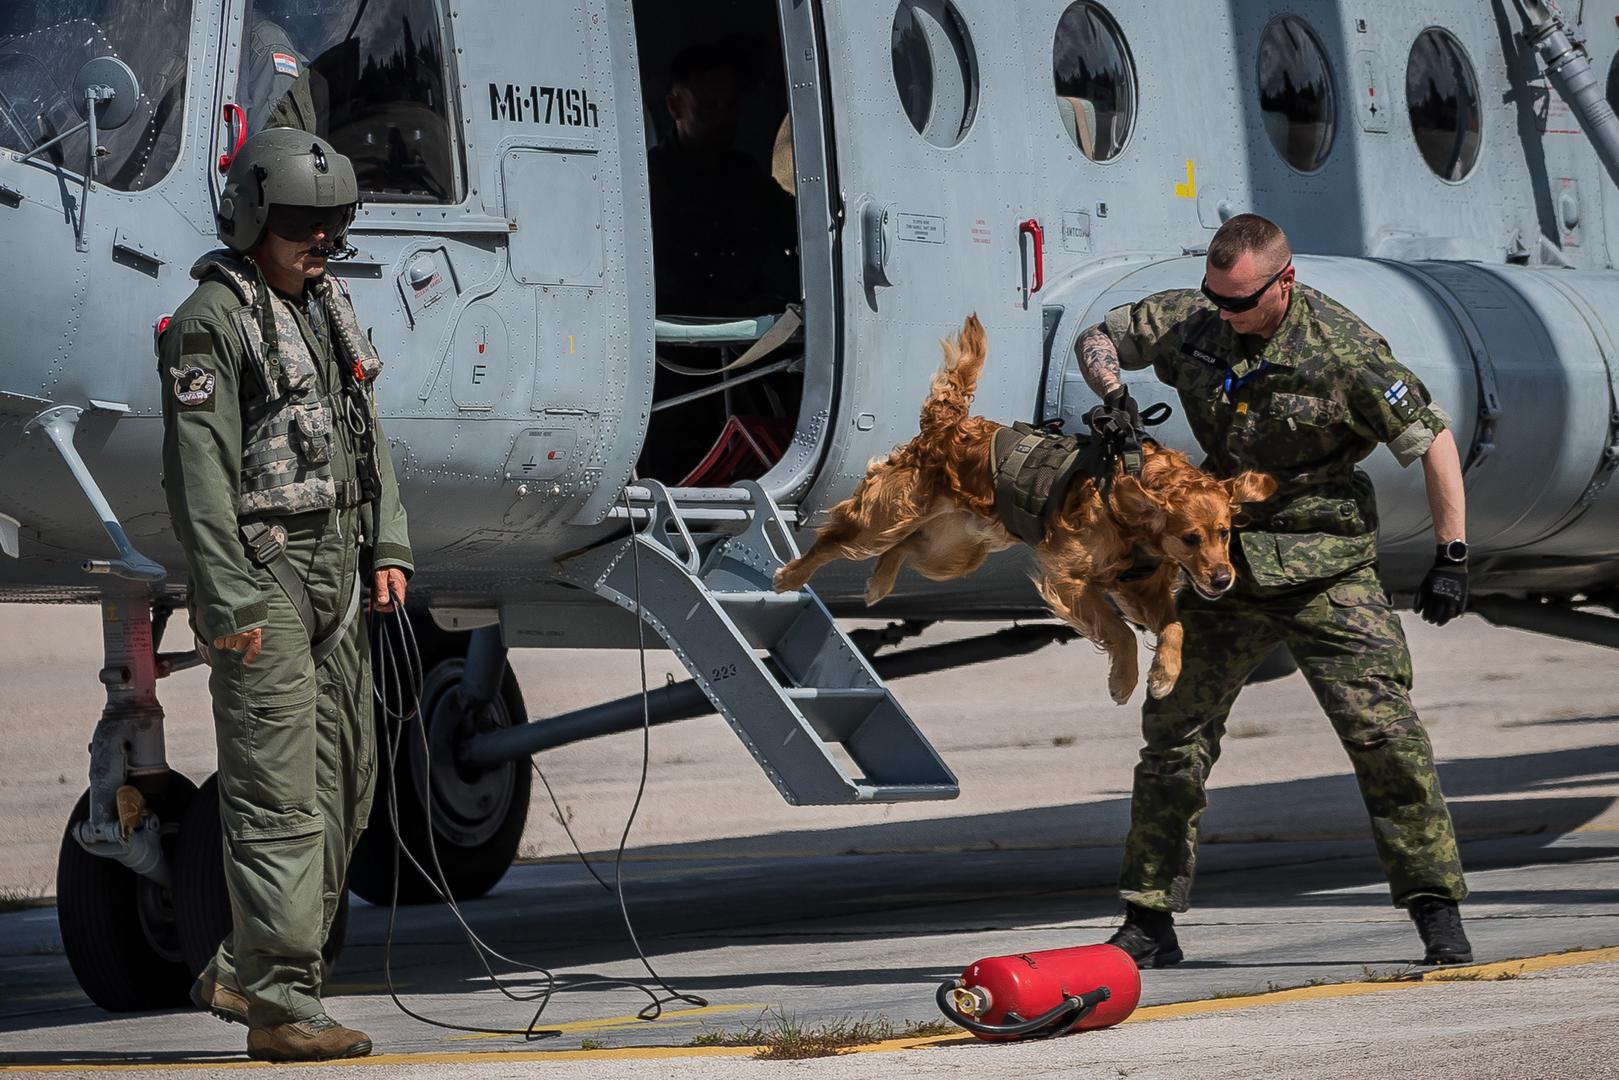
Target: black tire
x,y
202,901
478,817
118,928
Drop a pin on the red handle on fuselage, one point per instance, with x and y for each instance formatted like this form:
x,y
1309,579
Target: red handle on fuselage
x,y
1032,228
236,116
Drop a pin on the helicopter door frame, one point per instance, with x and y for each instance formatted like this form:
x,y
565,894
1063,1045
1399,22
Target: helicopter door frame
x,y
803,45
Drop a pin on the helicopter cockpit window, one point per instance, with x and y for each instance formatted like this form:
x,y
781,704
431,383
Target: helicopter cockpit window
x,y
366,75
1296,95
44,44
935,70
1442,96
1096,90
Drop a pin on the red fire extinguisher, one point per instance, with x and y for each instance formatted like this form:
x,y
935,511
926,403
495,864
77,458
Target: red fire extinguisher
x,y
1042,994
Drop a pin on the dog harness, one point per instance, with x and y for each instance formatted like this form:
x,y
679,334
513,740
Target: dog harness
x,y
1035,466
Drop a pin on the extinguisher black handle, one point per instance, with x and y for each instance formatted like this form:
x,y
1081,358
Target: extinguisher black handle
x,y
1065,1015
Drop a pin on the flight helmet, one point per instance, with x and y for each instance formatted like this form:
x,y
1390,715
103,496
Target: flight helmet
x,y
286,179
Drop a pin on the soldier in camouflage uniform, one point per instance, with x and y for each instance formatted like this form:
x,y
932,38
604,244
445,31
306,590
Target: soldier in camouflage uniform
x,y
1275,376
283,498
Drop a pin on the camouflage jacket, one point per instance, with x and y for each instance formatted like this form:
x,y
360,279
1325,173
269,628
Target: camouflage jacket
x,y
254,432
1305,406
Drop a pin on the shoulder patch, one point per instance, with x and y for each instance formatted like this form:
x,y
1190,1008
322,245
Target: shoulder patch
x,y
196,342
192,385
285,64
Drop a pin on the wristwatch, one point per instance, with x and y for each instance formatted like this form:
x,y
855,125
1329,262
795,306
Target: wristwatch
x,y
1455,551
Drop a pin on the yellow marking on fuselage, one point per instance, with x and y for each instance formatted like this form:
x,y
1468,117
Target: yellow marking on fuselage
x,y
1188,190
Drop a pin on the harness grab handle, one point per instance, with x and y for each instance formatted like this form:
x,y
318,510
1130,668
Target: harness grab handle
x,y
1156,413
1053,1021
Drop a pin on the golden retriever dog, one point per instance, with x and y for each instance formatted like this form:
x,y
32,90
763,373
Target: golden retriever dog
x,y
932,502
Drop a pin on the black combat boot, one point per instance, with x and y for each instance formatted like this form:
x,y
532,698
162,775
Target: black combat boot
x,y
1439,922
1149,937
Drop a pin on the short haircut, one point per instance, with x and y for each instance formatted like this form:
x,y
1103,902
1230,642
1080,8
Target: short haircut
x,y
702,58
1245,233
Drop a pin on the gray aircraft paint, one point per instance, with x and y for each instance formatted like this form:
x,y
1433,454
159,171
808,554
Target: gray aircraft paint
x,y
517,323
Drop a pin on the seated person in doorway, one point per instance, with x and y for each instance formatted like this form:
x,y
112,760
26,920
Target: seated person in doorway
x,y
278,87
724,234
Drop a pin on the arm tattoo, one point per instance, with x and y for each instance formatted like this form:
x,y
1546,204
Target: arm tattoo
x,y
1098,361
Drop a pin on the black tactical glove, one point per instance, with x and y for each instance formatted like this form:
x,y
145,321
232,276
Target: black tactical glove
x,y
1120,401
1443,593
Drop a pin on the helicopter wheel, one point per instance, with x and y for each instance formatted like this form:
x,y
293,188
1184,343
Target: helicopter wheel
x,y
478,815
119,929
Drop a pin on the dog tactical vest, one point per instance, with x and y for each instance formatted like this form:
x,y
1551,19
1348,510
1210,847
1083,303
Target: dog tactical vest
x,y
1033,470
287,432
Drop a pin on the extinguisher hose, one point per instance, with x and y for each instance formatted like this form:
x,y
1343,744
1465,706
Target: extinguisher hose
x,y
1065,1015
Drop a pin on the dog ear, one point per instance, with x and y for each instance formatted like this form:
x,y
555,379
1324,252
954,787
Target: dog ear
x,y
1136,507
1250,487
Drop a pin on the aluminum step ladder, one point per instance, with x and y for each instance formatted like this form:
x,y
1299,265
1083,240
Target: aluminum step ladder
x,y
800,696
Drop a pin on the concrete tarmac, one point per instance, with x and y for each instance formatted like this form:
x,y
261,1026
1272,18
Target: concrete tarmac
x,y
820,915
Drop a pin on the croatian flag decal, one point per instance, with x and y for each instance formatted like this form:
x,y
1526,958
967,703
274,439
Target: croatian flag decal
x,y
1395,393
285,64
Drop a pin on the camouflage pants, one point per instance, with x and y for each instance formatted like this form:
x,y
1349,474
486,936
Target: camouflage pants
x,y
1348,642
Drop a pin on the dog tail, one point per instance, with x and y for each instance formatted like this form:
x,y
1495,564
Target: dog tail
x,y
950,400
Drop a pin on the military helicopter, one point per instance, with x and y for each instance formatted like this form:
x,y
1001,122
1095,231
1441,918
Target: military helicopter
x,y
605,404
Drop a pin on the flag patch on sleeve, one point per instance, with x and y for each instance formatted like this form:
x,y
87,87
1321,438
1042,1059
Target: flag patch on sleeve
x,y
285,64
1396,393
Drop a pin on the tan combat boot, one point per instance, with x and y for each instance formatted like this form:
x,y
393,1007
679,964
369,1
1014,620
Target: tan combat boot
x,y
212,996
318,1038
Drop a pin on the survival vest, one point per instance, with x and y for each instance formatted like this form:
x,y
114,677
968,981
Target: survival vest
x,y
287,427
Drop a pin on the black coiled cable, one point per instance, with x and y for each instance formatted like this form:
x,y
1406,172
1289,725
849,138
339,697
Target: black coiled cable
x,y
397,680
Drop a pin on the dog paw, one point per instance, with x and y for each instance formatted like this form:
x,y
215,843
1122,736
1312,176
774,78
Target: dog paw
x,y
1121,687
1161,682
783,581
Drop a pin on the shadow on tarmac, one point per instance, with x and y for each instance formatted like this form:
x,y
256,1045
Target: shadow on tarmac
x,y
710,896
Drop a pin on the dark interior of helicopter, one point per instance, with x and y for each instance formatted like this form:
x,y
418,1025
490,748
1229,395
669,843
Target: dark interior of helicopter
x,y
725,241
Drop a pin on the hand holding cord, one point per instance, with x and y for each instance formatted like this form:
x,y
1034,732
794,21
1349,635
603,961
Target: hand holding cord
x,y
1443,593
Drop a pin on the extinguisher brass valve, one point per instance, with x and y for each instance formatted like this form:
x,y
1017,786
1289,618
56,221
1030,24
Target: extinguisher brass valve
x,y
971,1000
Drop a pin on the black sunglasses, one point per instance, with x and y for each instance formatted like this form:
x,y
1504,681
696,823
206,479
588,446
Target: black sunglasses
x,y
1237,304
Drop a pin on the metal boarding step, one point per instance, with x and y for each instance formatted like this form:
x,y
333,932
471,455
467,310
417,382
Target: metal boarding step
x,y
775,665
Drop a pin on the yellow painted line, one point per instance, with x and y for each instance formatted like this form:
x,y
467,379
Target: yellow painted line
x,y
634,1053
630,1021
1482,972
1466,973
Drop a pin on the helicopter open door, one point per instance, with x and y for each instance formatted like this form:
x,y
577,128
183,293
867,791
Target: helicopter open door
x,y
930,99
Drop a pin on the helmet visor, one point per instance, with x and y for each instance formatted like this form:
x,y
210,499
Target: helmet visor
x,y
300,223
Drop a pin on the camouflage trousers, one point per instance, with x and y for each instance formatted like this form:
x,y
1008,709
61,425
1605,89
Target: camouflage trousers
x,y
1350,647
297,766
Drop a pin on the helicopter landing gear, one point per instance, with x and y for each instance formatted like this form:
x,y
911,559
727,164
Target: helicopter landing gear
x,y
114,898
477,814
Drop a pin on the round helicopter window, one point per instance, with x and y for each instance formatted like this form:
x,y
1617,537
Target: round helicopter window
x,y
934,70
1441,93
1096,86
1296,97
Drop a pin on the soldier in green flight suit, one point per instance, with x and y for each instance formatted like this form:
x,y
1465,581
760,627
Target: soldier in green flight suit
x,y
283,498
1275,376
